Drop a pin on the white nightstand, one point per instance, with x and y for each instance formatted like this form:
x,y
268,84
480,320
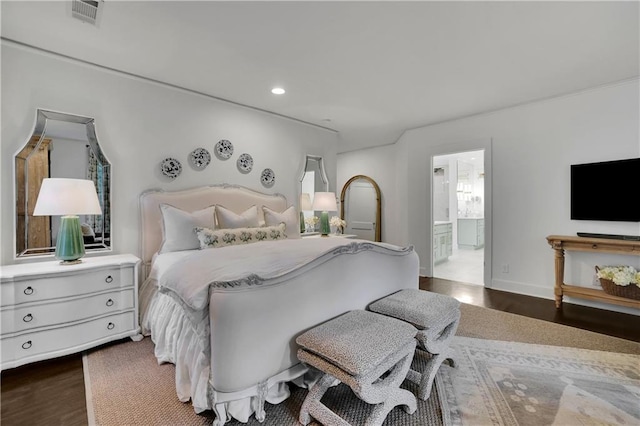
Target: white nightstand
x,y
50,310
317,235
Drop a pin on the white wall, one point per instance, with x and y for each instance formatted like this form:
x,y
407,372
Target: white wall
x,y
532,149
379,165
138,124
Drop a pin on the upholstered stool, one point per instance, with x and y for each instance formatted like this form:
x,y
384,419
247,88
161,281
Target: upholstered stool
x,y
357,349
436,316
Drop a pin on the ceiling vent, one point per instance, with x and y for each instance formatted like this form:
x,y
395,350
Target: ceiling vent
x,y
85,10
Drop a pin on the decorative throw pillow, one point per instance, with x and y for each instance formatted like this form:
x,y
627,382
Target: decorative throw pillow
x,y
210,238
177,227
289,217
228,219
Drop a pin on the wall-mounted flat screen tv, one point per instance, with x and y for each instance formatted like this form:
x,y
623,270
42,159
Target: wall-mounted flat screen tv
x,y
606,191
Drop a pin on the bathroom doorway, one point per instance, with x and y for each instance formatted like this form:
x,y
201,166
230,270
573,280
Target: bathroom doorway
x,y
458,210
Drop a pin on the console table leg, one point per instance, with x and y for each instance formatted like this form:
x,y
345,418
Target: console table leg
x,y
559,261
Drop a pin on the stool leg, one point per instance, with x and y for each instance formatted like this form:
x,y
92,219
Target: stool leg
x,y
430,371
397,397
312,407
436,344
387,392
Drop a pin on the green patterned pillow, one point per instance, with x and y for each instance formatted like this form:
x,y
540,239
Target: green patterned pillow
x,y
210,238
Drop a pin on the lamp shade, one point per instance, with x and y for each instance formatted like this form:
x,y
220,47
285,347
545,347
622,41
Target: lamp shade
x,y
305,201
325,201
60,197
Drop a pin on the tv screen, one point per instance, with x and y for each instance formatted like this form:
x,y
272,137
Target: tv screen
x,y
607,191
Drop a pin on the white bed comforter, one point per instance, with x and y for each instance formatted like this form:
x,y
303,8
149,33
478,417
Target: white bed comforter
x,y
188,277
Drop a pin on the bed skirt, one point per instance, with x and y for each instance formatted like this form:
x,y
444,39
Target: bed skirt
x,y
176,342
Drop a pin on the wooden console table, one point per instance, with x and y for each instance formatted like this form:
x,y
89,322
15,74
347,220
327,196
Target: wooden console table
x,y
560,243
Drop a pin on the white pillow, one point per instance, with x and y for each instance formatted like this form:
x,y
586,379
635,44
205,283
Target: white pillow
x,y
230,237
289,217
229,220
177,227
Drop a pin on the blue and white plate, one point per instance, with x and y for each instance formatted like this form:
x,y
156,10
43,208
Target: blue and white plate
x,y
245,163
224,149
171,167
200,158
268,177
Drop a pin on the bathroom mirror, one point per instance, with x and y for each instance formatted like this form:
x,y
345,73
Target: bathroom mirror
x,y
61,146
360,207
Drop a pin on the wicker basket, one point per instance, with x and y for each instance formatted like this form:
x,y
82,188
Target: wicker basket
x,y
630,291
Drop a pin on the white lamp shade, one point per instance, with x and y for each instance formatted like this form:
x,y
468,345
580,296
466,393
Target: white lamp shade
x,y
325,201
60,197
305,201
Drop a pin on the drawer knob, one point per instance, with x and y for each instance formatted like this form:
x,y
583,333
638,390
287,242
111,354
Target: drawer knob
x,y
110,326
109,279
28,290
110,302
26,345
27,318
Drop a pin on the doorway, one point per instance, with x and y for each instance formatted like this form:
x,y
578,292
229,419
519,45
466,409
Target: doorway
x,y
458,211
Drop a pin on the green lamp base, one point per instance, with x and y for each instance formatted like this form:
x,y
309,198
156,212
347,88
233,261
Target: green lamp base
x,y
70,244
325,228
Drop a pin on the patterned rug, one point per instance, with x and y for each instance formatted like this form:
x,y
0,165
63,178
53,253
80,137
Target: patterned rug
x,y
508,383
493,383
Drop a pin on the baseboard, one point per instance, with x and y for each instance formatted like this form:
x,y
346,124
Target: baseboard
x,y
522,288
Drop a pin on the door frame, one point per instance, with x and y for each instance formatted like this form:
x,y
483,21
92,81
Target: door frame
x,y
453,148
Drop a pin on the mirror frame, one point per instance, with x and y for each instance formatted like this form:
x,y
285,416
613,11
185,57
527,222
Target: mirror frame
x,y
378,202
21,193
323,173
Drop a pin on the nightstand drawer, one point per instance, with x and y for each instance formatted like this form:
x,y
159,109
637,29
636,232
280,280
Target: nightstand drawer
x,y
73,284
30,316
59,341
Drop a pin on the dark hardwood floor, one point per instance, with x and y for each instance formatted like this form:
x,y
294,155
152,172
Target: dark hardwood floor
x,y
52,392
611,323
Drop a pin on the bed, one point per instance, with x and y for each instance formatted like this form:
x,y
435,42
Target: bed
x,y
227,317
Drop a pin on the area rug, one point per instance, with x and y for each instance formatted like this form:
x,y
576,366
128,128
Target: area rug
x,y
494,382
508,383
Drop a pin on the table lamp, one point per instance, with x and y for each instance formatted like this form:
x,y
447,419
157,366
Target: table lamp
x,y
68,198
305,204
325,202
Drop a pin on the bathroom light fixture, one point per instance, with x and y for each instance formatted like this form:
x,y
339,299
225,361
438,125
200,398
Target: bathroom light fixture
x,y
278,91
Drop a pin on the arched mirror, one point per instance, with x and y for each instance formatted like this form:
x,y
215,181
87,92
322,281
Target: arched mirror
x,y
61,146
360,207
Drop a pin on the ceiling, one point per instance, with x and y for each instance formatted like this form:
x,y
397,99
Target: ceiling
x,y
368,70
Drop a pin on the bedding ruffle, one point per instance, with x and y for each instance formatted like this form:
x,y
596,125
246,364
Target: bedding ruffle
x,y
176,342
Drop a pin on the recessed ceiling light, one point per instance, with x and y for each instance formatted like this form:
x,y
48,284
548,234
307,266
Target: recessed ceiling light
x,y
278,91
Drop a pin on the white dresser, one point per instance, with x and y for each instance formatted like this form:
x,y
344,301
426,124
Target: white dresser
x,y
50,310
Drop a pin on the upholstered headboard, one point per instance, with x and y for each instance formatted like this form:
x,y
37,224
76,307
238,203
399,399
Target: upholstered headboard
x,y
233,197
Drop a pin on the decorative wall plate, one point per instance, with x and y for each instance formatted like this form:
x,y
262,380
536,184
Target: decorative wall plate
x,y
224,149
200,158
267,177
245,163
171,167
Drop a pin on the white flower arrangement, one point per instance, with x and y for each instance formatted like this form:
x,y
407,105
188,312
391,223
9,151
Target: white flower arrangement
x,y
620,275
311,220
337,222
